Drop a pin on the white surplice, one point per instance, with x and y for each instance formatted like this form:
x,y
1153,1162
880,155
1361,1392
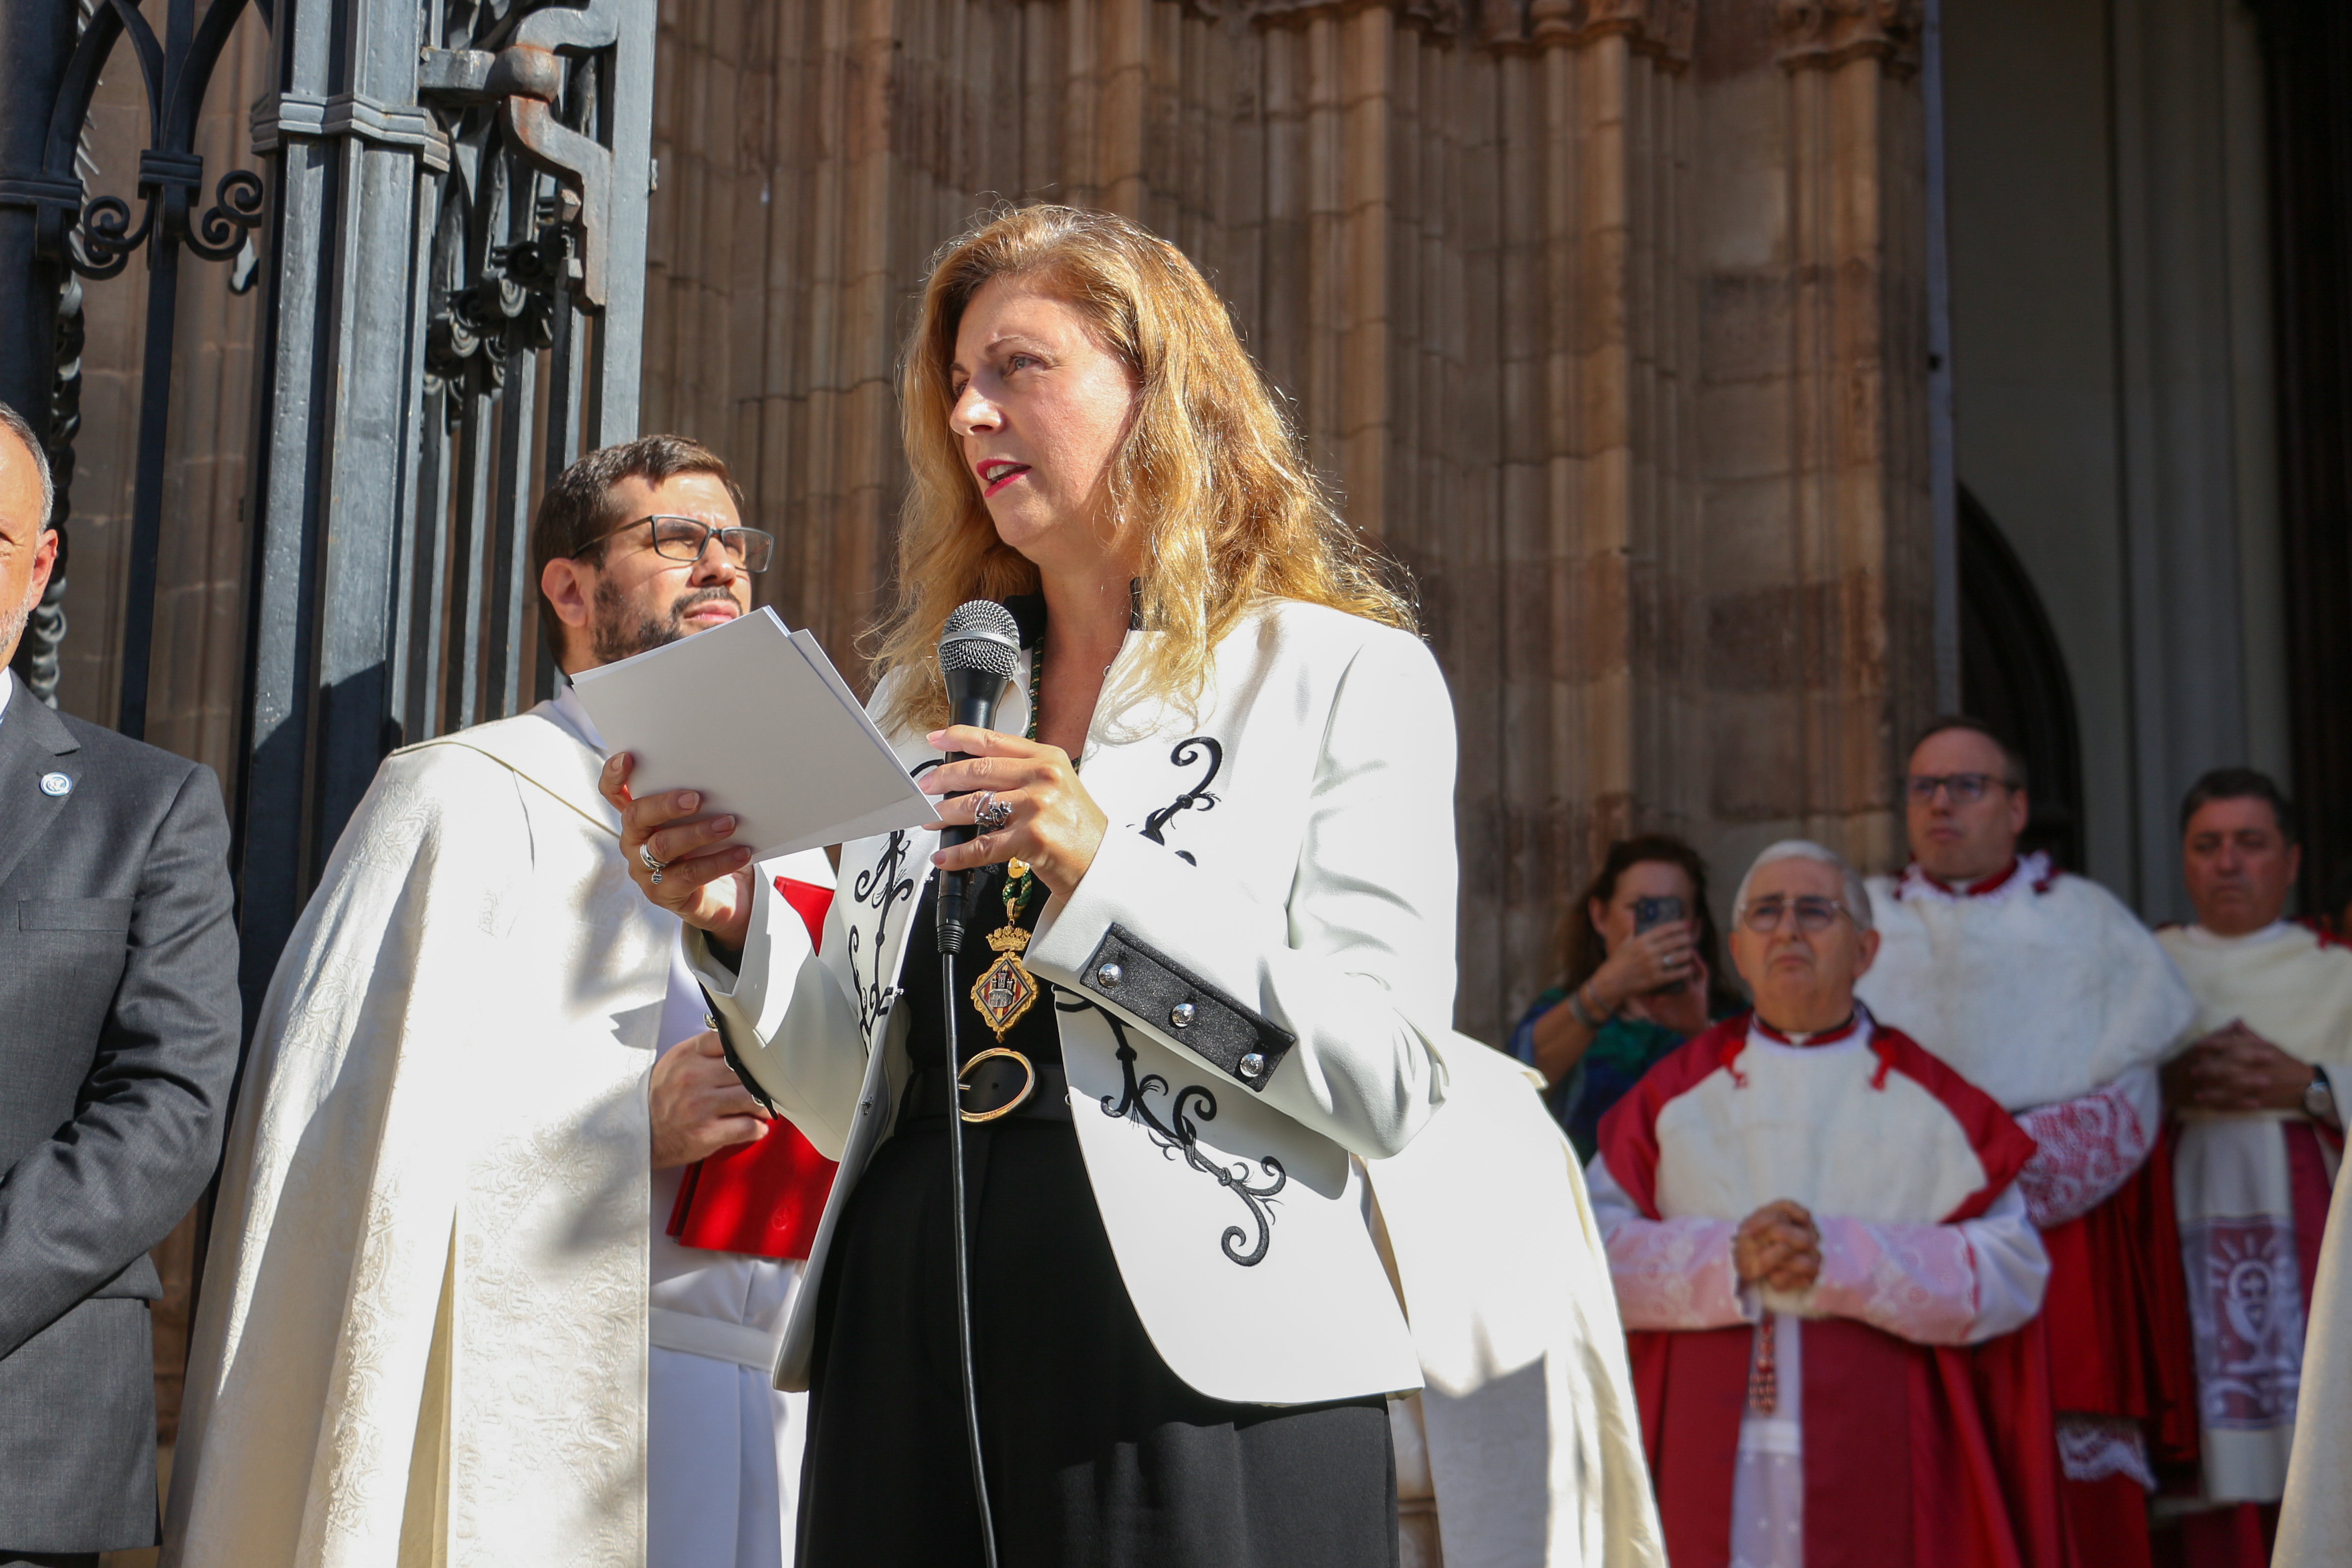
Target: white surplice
x,y
2316,1520
438,1324
2045,992
2233,1193
722,1446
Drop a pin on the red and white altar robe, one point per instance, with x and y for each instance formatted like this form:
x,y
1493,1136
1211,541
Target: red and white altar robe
x,y
2045,991
2251,1192
1908,1419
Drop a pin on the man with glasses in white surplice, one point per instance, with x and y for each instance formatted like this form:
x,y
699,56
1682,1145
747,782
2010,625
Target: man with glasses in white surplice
x,y
2045,991
495,1202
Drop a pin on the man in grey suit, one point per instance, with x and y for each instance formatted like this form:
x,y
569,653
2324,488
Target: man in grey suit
x,y
118,1041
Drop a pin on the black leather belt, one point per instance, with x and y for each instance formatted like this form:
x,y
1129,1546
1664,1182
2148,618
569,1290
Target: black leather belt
x,y
993,1090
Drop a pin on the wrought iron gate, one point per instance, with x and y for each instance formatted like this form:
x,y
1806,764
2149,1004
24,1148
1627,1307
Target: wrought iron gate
x,y
448,230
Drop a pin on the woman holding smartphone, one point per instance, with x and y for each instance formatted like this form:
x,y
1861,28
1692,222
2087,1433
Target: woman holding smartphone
x,y
1639,951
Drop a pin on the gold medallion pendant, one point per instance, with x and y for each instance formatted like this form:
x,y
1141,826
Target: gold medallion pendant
x,y
1006,988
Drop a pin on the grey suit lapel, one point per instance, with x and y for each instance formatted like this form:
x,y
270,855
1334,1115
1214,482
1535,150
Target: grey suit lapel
x,y
32,738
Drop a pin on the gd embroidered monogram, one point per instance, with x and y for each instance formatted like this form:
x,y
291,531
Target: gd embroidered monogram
x,y
1196,799
879,886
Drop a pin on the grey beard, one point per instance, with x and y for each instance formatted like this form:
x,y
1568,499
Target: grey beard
x,y
616,635
12,622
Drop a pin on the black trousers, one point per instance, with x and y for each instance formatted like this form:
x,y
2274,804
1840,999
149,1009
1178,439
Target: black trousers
x,y
1098,1456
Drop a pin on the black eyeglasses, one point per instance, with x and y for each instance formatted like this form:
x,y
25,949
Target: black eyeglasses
x,y
1966,789
685,539
1814,914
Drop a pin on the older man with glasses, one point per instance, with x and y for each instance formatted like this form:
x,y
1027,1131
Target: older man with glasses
x,y
504,1248
1830,1278
2045,991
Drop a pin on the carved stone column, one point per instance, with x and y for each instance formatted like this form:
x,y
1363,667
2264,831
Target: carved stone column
x,y
1819,648
1560,643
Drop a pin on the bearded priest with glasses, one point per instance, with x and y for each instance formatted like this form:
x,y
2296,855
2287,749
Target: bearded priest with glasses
x,y
1827,1271
2045,991
504,1248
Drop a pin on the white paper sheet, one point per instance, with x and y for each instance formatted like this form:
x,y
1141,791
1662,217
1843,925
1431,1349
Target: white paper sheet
x,y
757,719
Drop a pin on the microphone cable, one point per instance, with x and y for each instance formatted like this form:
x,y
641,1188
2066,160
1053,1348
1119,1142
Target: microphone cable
x,y
951,941
980,647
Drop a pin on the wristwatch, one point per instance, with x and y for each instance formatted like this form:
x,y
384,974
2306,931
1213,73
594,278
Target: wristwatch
x,y
2319,1097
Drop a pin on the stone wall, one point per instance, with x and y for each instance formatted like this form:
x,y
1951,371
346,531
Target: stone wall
x,y
1607,317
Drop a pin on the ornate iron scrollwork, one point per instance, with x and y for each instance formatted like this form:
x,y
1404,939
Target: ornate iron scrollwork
x,y
507,108
508,310
97,239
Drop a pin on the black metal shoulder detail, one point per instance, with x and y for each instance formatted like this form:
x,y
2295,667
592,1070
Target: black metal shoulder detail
x,y
1197,799
1179,1134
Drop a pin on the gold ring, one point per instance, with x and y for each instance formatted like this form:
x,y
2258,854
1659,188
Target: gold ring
x,y
1011,1106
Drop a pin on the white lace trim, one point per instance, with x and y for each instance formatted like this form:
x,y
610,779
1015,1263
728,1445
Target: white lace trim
x,y
1917,1282
2085,1149
2033,870
2091,1449
1674,1273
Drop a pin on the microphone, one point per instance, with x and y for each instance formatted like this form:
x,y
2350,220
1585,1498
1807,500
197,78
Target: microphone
x,y
979,648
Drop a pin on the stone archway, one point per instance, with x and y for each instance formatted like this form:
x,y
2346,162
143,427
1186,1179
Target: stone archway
x,y
2013,675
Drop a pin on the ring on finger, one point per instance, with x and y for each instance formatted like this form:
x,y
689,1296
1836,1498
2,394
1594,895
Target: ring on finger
x,y
645,854
991,814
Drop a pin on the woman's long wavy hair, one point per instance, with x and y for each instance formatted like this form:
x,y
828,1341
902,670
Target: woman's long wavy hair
x,y
1209,469
1581,949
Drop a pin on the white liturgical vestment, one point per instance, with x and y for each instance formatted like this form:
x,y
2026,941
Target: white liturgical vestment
x,y
2316,1520
2242,1231
2045,991
441,1321
1881,1163
722,1445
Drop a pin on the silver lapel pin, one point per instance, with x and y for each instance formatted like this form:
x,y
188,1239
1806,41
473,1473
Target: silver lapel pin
x,y
55,784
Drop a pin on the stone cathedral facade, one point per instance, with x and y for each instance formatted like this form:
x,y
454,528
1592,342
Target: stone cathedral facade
x,y
1607,318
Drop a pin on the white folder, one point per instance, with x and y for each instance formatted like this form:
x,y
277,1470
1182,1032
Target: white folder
x,y
756,717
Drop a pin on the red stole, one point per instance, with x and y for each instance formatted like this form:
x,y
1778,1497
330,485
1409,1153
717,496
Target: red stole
x,y
765,1196
1935,1456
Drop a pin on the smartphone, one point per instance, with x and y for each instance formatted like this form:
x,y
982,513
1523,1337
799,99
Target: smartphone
x,y
1649,912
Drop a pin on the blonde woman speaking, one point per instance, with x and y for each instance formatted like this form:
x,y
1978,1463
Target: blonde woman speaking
x,y
1210,975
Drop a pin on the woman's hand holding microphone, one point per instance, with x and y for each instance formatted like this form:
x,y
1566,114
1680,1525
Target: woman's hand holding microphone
x,y
1038,811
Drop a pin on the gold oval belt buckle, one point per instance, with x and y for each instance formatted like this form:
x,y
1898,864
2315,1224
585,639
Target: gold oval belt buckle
x,y
1029,1082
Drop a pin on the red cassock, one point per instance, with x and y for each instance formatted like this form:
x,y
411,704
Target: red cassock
x,y
763,1198
1939,1455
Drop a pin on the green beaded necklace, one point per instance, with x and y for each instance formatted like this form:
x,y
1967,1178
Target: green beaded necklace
x,y
1006,990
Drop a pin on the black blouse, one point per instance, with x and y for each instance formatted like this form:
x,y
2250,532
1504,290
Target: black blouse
x,y
1035,1034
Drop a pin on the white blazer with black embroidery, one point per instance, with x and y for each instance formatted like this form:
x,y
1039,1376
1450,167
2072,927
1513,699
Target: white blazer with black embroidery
x,y
1280,860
